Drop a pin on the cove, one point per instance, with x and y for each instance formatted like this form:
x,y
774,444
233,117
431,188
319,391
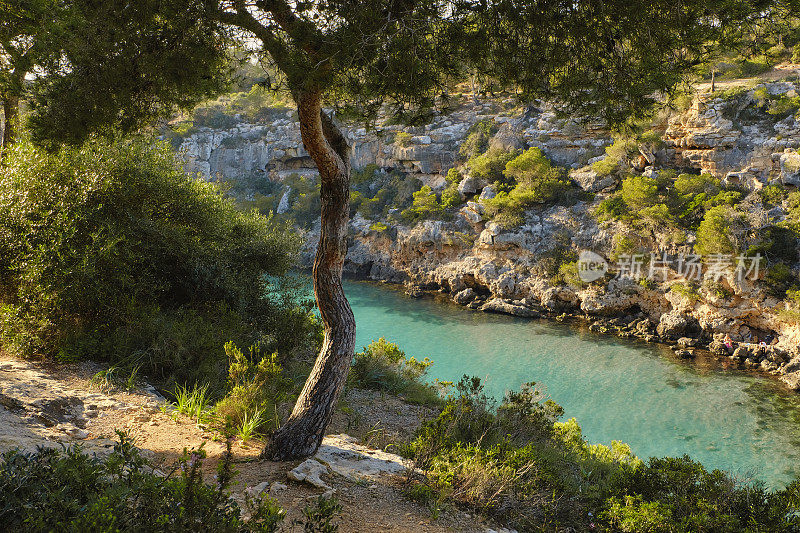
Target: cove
x,y
618,389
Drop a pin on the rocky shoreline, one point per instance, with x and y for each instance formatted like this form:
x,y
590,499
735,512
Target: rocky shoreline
x,y
522,269
685,341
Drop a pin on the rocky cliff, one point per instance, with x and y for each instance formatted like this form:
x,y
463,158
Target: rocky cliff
x,y
743,137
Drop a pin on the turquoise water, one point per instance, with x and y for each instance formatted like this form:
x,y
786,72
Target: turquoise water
x,y
618,389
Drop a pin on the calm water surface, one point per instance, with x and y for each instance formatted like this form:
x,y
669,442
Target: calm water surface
x,y
618,389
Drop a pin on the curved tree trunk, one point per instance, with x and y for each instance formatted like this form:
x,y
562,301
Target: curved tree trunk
x,y
10,123
303,431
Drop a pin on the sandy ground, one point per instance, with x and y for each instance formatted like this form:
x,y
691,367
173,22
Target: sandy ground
x,y
51,405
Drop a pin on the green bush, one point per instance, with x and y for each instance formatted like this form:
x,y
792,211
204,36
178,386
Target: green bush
x,y
720,231
639,192
612,208
616,154
534,180
51,490
383,366
477,140
451,197
138,263
515,462
425,206
403,138
491,165
256,387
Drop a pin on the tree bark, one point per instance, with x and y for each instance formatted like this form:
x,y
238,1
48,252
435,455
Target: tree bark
x,y
10,123
302,434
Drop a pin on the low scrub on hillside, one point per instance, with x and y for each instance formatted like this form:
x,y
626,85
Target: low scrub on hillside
x,y
52,490
112,252
383,366
517,463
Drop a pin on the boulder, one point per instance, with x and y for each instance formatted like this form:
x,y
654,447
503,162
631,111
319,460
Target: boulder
x,y
792,380
790,167
464,297
497,305
470,185
718,348
588,180
488,192
672,324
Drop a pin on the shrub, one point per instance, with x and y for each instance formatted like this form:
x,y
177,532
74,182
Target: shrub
x,y
491,165
138,263
612,208
383,366
535,181
424,206
639,192
720,231
616,154
477,139
403,138
686,290
256,386
772,195
451,197
50,490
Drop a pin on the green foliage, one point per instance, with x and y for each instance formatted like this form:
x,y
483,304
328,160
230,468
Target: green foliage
x,y
639,192
686,290
719,232
515,462
425,206
51,490
535,181
192,402
451,197
616,155
792,312
773,195
490,166
776,244
611,208
635,516
319,518
477,140
383,366
146,59
780,280
256,387
403,138
138,264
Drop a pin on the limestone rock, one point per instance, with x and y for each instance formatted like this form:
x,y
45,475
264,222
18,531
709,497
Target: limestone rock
x,y
464,297
310,471
588,180
498,305
470,185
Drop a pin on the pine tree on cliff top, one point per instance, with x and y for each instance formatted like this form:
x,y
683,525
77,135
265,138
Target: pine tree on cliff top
x,y
600,58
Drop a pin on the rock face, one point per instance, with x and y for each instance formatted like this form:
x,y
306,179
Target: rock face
x,y
253,153
485,265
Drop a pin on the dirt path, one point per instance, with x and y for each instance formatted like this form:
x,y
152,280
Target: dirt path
x,y
51,405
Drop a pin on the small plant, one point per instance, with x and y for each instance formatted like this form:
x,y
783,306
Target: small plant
x,y
384,366
319,518
686,290
256,386
67,490
192,402
249,425
403,138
